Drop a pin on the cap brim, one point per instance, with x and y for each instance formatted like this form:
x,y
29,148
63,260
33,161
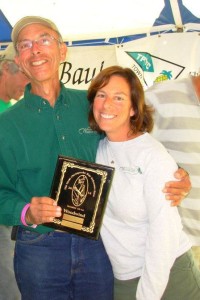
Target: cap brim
x,y
22,23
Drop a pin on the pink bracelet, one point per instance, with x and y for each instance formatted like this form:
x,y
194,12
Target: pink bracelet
x,y
23,215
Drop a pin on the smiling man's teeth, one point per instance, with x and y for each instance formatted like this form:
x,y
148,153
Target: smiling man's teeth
x,y
106,116
38,63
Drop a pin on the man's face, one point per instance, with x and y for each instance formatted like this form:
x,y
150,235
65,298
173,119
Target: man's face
x,y
40,63
15,85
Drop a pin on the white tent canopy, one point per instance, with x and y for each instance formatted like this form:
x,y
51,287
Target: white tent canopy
x,y
158,40
94,19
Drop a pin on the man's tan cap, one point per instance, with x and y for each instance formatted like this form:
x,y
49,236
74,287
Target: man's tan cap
x,y
28,21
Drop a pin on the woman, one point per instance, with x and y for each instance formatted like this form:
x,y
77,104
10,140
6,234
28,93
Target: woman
x,y
142,233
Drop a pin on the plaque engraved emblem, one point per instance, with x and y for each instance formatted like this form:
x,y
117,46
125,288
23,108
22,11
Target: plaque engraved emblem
x,y
81,189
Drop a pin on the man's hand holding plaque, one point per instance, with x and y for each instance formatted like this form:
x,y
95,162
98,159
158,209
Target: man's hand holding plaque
x,y
81,189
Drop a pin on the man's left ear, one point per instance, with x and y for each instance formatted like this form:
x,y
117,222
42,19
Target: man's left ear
x,y
63,51
17,61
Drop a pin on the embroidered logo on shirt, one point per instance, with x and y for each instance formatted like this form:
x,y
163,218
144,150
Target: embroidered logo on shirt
x,y
87,130
132,170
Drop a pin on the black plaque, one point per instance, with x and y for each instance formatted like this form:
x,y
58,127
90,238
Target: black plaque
x,y
81,189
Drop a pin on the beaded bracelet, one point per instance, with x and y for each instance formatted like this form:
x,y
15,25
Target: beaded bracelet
x,y
23,214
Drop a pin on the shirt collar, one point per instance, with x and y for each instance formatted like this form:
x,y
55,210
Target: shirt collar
x,y
38,103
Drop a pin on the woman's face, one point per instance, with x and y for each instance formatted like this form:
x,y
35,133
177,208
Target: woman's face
x,y
112,108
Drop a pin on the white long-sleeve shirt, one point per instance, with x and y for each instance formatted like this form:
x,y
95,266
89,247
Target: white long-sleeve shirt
x,y
141,232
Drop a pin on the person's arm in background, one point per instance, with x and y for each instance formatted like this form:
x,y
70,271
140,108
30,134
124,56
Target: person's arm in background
x,y
176,191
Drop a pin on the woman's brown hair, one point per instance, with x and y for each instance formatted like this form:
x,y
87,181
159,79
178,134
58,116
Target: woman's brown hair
x,y
142,120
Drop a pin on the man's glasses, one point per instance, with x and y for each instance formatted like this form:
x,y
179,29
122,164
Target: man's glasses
x,y
45,40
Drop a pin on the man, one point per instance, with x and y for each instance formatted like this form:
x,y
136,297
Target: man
x,y
48,122
12,83
177,126
12,80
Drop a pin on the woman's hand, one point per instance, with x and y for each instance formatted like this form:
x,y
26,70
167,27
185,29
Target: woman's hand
x,y
176,191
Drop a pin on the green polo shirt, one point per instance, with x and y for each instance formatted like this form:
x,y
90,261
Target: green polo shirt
x,y
4,105
32,136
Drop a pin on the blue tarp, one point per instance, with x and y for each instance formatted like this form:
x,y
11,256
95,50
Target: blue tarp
x,y
5,28
166,15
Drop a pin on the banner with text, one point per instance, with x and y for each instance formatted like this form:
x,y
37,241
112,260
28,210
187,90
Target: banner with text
x,y
154,58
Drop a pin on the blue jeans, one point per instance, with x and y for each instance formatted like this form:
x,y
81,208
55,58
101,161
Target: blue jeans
x,y
8,285
62,266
